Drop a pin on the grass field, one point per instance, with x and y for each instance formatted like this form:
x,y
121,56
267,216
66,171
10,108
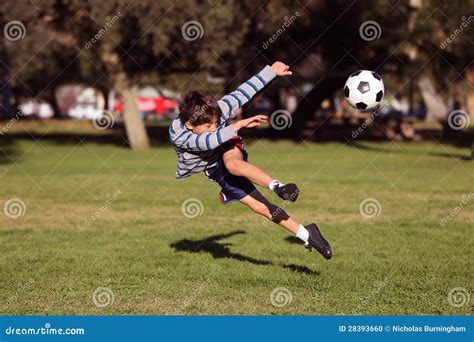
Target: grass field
x,y
227,261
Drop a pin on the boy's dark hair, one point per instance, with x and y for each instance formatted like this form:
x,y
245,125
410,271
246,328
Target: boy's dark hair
x,y
199,107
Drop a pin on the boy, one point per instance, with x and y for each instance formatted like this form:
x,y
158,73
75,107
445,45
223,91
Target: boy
x,y
205,143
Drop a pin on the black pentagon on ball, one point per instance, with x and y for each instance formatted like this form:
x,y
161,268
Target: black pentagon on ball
x,y
361,105
356,73
346,91
379,96
376,76
363,87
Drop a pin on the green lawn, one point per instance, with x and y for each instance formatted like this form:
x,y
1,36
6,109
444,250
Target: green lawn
x,y
227,261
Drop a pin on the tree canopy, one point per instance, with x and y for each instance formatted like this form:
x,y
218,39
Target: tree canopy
x,y
92,42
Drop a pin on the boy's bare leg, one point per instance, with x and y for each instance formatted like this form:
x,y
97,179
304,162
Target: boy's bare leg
x,y
259,204
237,166
235,163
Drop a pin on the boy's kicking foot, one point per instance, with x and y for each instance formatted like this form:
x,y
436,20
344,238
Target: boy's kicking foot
x,y
288,192
235,162
317,241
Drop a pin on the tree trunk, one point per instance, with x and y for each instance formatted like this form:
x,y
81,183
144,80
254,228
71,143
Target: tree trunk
x,y
6,110
470,93
134,125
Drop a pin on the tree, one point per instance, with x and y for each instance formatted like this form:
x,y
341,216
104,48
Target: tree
x,y
122,43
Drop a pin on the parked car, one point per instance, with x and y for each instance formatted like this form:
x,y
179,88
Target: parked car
x,y
79,101
151,103
34,108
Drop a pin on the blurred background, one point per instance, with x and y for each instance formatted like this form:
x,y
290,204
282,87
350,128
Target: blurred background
x,y
88,189
117,69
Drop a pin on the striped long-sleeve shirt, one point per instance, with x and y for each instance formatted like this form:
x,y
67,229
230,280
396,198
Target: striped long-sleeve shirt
x,y
197,152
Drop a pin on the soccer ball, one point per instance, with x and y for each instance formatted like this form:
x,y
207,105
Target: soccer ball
x,y
364,90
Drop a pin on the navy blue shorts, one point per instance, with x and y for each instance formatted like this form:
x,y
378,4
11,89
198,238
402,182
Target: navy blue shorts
x,y
233,187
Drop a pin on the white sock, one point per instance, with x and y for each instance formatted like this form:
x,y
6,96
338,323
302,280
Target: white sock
x,y
302,234
274,183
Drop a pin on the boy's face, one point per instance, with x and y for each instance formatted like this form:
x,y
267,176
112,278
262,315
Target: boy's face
x,y
203,128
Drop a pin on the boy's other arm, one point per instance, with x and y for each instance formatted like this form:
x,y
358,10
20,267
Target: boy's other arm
x,y
183,138
244,93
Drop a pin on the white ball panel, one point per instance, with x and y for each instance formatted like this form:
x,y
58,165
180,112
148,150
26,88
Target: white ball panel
x,y
354,97
367,76
376,86
369,99
352,82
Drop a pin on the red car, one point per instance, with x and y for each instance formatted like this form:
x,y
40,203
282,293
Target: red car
x,y
157,106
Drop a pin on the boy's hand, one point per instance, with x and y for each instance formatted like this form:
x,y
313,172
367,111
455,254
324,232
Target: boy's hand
x,y
254,121
281,69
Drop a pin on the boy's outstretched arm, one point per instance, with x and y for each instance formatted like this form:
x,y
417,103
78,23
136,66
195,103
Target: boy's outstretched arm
x,y
183,138
244,93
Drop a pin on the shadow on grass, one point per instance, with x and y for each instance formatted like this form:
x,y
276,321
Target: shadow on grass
x,y
466,157
221,250
449,155
8,150
116,136
294,240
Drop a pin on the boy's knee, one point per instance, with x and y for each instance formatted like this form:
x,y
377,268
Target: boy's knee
x,y
233,166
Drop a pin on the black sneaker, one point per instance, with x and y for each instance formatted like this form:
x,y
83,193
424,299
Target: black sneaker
x,y
317,241
288,192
